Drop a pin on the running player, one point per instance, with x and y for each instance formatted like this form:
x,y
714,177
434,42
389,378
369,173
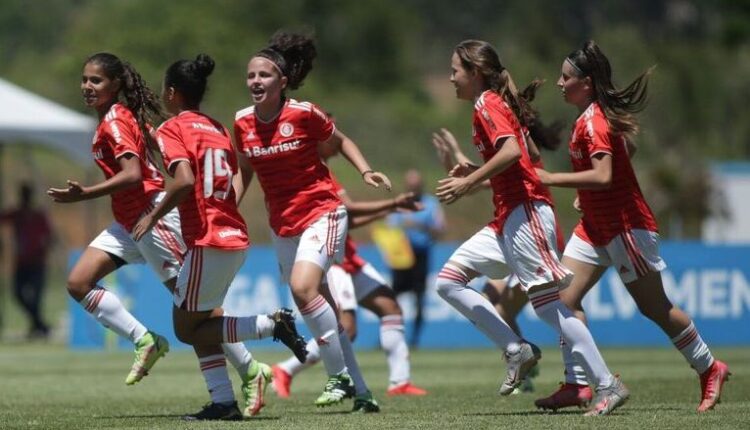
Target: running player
x,y
198,152
357,281
118,140
617,228
522,233
125,106
500,292
278,138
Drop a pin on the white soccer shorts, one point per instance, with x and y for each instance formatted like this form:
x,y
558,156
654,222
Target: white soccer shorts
x,y
342,288
162,247
528,244
205,277
633,253
367,280
321,243
482,254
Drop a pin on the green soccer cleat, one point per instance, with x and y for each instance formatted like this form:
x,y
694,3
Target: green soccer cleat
x,y
336,390
365,404
254,385
148,349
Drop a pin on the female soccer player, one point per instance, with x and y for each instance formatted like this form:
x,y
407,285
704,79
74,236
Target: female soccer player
x,y
279,139
355,281
501,292
125,106
198,152
617,228
522,233
120,151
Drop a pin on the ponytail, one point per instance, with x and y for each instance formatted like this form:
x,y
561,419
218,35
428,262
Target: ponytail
x,y
618,105
293,55
481,56
142,102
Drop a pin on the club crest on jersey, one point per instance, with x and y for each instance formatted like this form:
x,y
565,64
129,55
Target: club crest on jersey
x,y
286,129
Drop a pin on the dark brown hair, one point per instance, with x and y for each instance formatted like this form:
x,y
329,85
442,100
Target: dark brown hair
x,y
293,54
138,97
480,56
619,105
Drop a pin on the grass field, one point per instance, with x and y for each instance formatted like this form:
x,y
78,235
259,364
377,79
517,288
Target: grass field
x,y
46,387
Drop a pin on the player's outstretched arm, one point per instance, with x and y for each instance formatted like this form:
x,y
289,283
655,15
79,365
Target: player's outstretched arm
x,y
352,153
128,176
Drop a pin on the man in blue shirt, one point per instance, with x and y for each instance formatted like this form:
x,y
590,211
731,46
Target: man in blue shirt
x,y
421,228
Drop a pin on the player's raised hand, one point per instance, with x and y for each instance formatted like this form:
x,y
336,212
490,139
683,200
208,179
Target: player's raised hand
x,y
461,170
376,178
73,193
451,189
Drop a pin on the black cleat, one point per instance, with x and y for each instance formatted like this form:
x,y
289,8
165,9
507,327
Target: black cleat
x,y
216,412
286,331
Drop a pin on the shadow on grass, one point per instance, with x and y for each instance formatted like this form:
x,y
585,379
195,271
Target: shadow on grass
x,y
534,413
178,417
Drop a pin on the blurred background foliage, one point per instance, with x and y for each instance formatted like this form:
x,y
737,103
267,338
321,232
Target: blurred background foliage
x,y
383,70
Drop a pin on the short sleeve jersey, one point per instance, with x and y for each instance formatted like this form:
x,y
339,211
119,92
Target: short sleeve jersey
x,y
118,134
209,217
519,183
621,207
283,153
352,262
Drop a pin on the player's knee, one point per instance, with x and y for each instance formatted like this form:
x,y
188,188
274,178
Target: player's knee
x,y
184,334
444,286
78,287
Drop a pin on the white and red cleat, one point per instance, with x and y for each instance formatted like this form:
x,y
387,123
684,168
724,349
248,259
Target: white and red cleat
x,y
282,382
712,381
566,396
406,389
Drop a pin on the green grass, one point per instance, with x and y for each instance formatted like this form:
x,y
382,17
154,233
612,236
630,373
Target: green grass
x,y
46,387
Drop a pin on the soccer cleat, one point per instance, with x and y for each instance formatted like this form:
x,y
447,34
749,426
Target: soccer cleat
x,y
254,385
148,349
406,389
338,388
216,412
712,381
519,365
285,330
282,382
366,404
566,396
609,398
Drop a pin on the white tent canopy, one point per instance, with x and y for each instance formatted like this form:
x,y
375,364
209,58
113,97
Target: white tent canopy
x,y
27,117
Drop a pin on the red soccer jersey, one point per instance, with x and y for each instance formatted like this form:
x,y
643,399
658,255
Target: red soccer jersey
x,y
118,134
209,217
352,262
283,152
609,212
493,119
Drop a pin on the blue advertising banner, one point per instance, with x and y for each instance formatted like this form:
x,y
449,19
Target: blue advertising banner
x,y
711,283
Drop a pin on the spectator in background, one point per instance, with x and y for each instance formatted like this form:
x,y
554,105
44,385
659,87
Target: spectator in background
x,y
33,238
421,228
